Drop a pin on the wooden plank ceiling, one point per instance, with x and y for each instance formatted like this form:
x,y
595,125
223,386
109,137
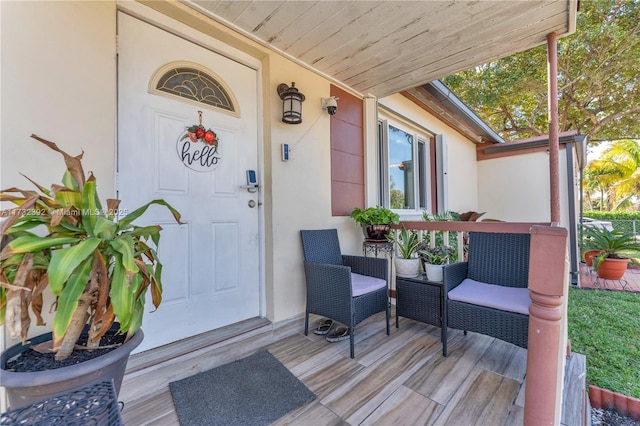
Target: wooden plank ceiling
x,y
384,47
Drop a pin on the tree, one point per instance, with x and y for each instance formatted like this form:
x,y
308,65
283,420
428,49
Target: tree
x,y
598,83
613,180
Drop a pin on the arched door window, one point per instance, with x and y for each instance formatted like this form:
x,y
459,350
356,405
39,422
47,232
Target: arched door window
x,y
195,84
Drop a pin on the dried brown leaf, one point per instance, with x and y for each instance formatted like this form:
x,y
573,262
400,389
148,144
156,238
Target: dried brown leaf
x,y
14,214
74,165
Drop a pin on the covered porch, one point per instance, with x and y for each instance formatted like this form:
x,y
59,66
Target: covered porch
x,y
482,379
402,378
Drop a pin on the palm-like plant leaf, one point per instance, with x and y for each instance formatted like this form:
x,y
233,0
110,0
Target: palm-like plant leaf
x,y
65,261
69,295
98,267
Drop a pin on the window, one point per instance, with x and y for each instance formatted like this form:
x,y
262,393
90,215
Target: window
x,y
404,171
194,84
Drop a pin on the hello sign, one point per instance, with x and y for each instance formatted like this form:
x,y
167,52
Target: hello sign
x,y
198,148
198,156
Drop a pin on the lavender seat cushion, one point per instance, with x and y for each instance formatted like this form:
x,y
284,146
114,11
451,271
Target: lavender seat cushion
x,y
362,284
509,299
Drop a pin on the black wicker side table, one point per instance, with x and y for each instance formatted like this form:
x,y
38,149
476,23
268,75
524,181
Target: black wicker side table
x,y
421,300
91,405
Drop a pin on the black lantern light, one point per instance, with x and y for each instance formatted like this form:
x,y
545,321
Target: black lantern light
x,y
291,103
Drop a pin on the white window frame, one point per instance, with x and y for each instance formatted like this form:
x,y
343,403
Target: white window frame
x,y
421,178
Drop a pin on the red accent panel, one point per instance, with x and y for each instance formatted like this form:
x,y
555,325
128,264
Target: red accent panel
x,y
345,196
347,167
350,107
347,154
346,137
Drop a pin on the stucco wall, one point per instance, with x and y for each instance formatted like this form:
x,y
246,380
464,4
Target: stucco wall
x,y
516,188
59,82
300,187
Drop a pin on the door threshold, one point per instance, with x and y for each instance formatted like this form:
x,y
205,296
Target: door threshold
x,y
176,349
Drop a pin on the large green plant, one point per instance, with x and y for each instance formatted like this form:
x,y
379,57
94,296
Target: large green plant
x,y
374,216
98,267
613,244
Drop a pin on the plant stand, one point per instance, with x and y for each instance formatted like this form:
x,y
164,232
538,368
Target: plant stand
x,y
386,248
602,283
95,405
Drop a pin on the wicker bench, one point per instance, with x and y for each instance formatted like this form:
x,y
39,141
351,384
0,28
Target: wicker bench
x,y
493,295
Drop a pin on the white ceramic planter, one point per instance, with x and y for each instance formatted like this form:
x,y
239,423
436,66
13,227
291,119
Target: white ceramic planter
x,y
407,268
434,272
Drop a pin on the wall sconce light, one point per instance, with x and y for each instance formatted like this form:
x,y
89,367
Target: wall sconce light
x,y
291,103
330,104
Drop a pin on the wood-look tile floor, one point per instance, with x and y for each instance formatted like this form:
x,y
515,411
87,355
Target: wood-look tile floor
x,y
401,379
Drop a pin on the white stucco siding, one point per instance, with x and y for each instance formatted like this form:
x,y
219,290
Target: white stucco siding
x,y
516,188
58,81
300,187
461,160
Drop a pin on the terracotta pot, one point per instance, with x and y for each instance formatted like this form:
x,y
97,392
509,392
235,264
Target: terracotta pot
x,y
375,232
26,388
612,269
589,255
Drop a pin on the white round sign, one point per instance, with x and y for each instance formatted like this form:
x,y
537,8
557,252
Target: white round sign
x,y
199,156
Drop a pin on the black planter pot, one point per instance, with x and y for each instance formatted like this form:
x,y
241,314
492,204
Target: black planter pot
x,y
375,232
26,388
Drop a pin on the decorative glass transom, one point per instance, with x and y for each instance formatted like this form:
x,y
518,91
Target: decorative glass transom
x,y
195,85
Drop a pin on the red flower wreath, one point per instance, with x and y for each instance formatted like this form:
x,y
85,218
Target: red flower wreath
x,y
197,133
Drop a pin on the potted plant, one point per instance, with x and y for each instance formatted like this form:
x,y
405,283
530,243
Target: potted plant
x,y
585,241
99,269
375,221
434,259
407,243
615,250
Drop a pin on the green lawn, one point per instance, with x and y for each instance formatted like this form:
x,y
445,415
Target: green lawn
x,y
605,326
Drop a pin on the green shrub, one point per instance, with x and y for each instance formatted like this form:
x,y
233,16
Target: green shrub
x,y
612,215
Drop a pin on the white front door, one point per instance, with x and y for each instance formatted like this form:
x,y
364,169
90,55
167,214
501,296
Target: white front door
x,y
211,263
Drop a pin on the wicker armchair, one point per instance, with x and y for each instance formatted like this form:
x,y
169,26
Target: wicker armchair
x,y
329,282
499,259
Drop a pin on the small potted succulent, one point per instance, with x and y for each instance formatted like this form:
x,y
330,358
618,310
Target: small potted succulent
x,y
375,222
434,259
98,265
407,244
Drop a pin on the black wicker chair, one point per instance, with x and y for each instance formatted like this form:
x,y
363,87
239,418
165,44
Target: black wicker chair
x,y
328,276
494,258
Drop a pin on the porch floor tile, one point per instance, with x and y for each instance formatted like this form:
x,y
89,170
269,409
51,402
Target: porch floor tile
x,y
398,379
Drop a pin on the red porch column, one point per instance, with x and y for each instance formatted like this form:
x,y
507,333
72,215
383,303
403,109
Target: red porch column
x,y
547,288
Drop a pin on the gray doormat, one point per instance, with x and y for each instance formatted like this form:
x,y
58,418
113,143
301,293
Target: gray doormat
x,y
256,390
